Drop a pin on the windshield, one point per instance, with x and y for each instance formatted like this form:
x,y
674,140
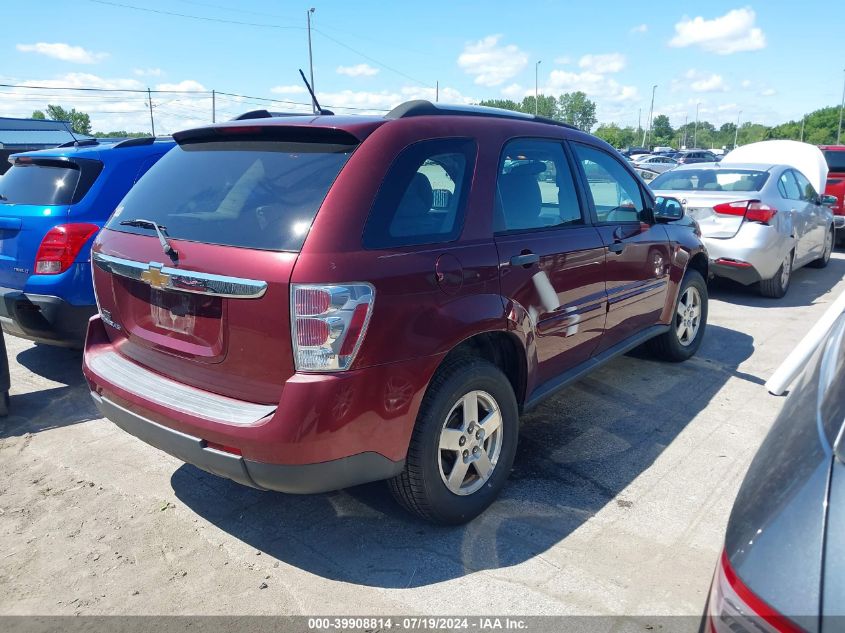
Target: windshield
x,y
711,180
252,194
38,183
835,160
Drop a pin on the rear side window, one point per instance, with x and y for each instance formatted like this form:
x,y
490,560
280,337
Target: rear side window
x,y
787,186
47,183
248,193
808,193
423,196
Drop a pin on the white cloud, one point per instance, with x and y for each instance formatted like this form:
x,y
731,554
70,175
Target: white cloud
x,y
746,83
768,92
148,72
608,63
64,52
377,102
730,33
359,70
491,63
640,28
187,85
595,85
295,89
514,91
700,82
563,61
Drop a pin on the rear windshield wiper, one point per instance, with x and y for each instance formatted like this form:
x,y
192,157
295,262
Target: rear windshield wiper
x,y
160,230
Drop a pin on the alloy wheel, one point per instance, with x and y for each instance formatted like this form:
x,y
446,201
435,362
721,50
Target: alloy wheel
x,y
786,271
688,316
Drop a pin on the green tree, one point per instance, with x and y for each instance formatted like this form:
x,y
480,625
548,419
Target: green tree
x,y
576,109
80,122
505,104
546,106
39,115
617,136
661,130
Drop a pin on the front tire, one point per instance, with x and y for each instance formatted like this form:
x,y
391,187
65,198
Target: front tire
x,y
822,261
689,321
777,286
463,445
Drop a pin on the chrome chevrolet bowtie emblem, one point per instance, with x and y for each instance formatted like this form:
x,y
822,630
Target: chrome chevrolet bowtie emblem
x,y
155,278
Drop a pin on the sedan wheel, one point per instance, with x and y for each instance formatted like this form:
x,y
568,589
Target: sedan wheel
x,y
822,261
777,286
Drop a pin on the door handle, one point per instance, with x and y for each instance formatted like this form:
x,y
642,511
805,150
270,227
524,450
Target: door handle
x,y
525,260
616,247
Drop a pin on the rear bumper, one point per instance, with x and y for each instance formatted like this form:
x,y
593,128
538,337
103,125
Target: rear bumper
x,y
295,479
326,432
44,318
754,253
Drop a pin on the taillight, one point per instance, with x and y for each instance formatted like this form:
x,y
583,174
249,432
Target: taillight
x,y
60,247
752,210
734,608
328,324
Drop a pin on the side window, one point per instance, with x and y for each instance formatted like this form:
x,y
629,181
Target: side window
x,y
423,195
535,188
808,193
787,186
615,192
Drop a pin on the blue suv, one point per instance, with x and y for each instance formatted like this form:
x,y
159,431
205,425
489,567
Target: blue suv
x,y
52,203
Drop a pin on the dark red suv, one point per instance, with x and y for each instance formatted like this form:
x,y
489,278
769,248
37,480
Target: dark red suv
x,y
308,303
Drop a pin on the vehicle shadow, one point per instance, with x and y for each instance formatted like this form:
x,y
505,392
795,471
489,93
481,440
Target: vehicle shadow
x,y
69,403
808,285
577,452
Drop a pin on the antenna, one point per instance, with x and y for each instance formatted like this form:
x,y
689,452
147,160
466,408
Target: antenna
x,y
313,96
69,129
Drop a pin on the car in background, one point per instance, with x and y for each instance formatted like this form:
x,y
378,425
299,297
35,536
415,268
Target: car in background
x,y
835,186
52,204
655,163
783,563
663,150
335,302
629,152
690,156
759,222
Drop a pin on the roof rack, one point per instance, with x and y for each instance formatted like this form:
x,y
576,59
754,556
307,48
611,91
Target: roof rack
x,y
421,107
266,114
136,142
86,142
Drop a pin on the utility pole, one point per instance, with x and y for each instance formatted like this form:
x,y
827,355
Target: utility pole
x,y
736,131
639,121
686,127
841,107
803,120
437,92
695,131
537,86
650,113
311,57
213,106
150,103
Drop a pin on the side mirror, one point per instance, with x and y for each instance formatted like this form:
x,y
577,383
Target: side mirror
x,y
828,201
668,209
442,199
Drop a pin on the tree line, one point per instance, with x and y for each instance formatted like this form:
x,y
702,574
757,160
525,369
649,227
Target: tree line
x,y
575,108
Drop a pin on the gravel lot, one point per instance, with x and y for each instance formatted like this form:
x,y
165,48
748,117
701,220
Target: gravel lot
x,y
617,503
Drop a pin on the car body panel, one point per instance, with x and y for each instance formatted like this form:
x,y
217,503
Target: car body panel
x,y
835,185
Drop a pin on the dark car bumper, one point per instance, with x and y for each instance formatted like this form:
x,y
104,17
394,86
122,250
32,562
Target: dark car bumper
x,y
291,478
44,318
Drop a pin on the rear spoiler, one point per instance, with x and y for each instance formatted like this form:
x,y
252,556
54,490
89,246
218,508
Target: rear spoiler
x,y
274,132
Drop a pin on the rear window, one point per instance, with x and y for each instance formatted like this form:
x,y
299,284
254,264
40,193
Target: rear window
x,y
39,183
710,180
247,193
835,159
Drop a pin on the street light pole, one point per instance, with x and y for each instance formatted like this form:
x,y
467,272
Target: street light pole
x,y
650,113
311,57
686,129
537,86
841,107
695,131
736,131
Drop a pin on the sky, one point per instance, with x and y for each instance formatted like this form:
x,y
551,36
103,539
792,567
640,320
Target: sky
x,y
766,62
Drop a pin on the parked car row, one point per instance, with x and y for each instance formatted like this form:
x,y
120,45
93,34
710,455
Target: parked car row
x,y
306,303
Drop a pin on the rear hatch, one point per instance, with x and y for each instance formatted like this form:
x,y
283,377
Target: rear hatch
x,y
836,178
35,195
236,207
711,196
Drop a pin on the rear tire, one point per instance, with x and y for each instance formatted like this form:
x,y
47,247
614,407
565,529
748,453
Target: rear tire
x,y
689,320
777,286
829,239
455,442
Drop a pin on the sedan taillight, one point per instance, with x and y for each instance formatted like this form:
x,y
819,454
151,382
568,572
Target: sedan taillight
x,y
734,608
328,324
751,210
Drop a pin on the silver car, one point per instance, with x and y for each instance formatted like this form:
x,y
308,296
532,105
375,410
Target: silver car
x,y
659,164
759,222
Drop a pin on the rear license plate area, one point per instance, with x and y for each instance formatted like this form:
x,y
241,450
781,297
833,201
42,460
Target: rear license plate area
x,y
173,311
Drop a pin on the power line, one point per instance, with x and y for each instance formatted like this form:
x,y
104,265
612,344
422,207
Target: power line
x,y
196,17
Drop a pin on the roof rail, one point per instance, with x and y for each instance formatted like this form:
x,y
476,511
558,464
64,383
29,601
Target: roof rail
x,y
421,107
266,114
86,142
135,142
